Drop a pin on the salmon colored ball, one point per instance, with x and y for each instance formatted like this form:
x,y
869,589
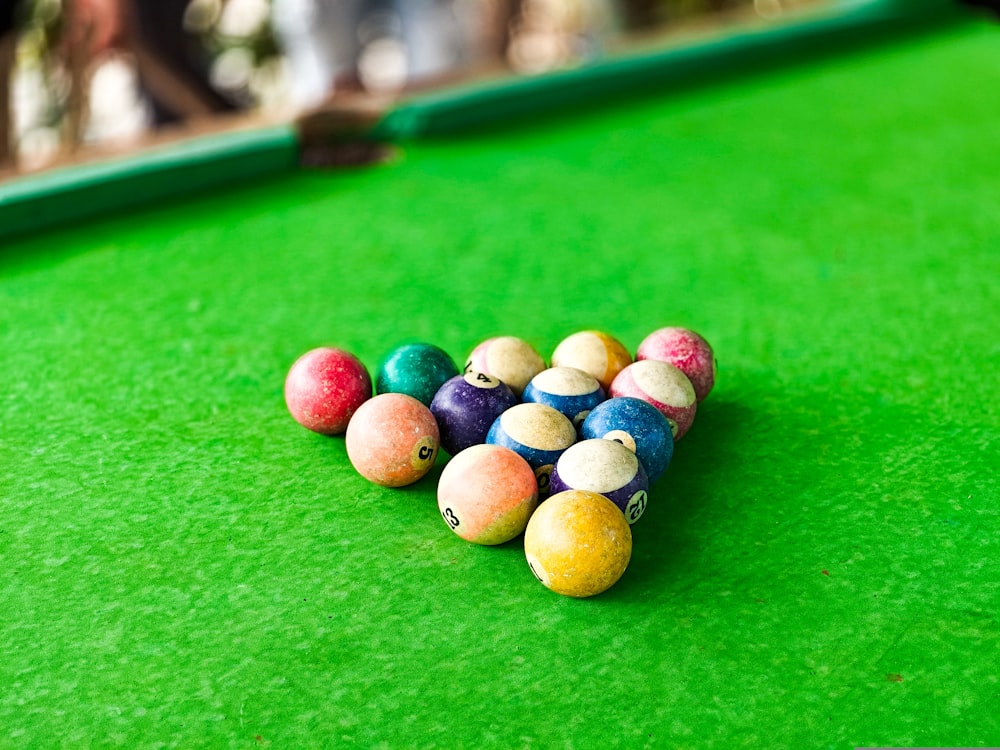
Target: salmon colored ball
x,y
508,358
687,351
596,352
392,440
325,387
578,543
662,385
487,493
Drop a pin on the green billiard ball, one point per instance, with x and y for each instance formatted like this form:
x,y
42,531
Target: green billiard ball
x,y
417,370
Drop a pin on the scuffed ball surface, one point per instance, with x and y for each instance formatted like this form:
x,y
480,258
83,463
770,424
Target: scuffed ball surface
x,y
608,468
324,387
594,352
417,370
686,350
486,494
509,358
392,440
664,386
578,543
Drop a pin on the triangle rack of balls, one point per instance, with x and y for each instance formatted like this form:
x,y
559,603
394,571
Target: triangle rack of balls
x,y
564,452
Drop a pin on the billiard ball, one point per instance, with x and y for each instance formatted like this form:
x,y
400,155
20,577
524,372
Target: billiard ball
x,y
566,389
687,351
578,543
662,385
486,494
512,360
607,468
466,407
417,370
324,387
596,352
636,424
537,433
392,440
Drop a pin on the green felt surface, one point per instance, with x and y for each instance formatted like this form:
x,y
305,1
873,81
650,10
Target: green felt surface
x,y
181,565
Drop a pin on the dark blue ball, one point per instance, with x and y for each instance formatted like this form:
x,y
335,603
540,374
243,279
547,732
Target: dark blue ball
x,y
538,433
566,389
466,406
636,424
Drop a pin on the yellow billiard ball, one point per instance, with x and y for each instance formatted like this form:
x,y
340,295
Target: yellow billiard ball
x,y
578,543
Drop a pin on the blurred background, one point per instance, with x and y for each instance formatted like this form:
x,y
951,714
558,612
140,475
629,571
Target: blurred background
x,y
80,78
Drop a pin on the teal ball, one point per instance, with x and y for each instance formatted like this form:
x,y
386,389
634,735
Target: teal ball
x,y
418,370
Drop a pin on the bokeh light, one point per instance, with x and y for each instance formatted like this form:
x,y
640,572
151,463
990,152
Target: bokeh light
x,y
398,44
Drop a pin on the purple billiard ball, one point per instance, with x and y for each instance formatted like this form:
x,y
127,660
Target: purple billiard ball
x,y
466,407
606,467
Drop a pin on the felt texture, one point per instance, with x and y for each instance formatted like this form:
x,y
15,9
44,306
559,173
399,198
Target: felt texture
x,y
182,565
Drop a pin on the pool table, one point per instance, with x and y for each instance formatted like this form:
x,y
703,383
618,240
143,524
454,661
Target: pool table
x,y
183,565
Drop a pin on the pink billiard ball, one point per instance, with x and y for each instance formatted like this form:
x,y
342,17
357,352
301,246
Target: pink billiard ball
x,y
324,387
662,385
508,358
487,493
687,351
392,440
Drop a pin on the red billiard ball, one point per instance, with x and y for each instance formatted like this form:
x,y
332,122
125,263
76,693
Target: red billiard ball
x,y
324,387
392,440
687,351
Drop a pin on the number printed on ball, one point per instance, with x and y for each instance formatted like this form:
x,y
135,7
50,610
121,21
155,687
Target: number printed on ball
x,y
543,474
481,380
424,453
450,518
636,506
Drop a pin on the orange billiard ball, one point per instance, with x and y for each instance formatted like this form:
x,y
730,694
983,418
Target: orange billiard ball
x,y
596,352
392,440
486,494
